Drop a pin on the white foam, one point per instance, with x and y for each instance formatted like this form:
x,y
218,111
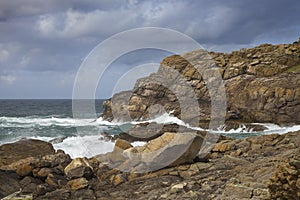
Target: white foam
x,y
138,143
168,118
274,128
86,146
100,121
33,121
90,145
241,129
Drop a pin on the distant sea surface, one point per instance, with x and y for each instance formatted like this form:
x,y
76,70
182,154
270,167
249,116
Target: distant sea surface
x,y
40,118
53,119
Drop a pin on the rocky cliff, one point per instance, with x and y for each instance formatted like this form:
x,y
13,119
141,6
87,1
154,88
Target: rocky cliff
x,y
261,83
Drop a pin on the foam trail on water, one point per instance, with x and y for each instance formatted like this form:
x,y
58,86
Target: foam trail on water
x,y
90,145
32,121
167,118
274,128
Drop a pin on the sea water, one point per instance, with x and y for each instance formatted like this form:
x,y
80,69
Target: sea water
x,y
53,119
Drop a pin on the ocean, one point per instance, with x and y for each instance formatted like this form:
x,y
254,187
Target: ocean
x,y
50,120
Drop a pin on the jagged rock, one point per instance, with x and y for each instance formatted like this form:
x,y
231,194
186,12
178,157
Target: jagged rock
x,y
56,180
83,194
285,181
42,189
121,145
79,167
62,194
42,172
78,183
29,184
117,179
59,158
223,146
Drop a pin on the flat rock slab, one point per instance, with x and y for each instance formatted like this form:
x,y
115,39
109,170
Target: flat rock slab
x,y
22,149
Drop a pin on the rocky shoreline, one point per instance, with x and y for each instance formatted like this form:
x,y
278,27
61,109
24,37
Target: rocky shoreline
x,y
262,85
262,167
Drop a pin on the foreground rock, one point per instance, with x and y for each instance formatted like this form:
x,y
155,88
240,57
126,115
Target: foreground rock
x,y
11,155
170,149
9,183
262,167
261,83
31,165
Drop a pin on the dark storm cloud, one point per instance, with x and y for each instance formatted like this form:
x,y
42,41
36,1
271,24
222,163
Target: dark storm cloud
x,y
55,36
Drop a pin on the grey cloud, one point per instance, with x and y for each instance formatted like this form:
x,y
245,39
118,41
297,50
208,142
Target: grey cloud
x,y
19,8
55,36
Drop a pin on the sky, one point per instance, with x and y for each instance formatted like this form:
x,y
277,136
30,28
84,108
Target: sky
x,y
43,43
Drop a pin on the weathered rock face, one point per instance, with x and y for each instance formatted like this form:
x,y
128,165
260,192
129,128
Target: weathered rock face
x,y
285,181
262,85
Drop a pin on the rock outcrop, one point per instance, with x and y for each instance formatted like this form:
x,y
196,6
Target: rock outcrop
x,y
261,83
262,167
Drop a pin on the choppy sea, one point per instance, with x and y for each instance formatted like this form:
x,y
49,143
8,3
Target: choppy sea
x,y
53,119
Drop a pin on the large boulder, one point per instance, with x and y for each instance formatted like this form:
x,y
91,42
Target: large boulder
x,y
170,149
13,155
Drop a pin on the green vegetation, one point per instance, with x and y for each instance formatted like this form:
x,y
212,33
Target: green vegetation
x,y
294,69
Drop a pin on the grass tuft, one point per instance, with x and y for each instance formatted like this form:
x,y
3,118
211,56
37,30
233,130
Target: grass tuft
x,y
294,69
